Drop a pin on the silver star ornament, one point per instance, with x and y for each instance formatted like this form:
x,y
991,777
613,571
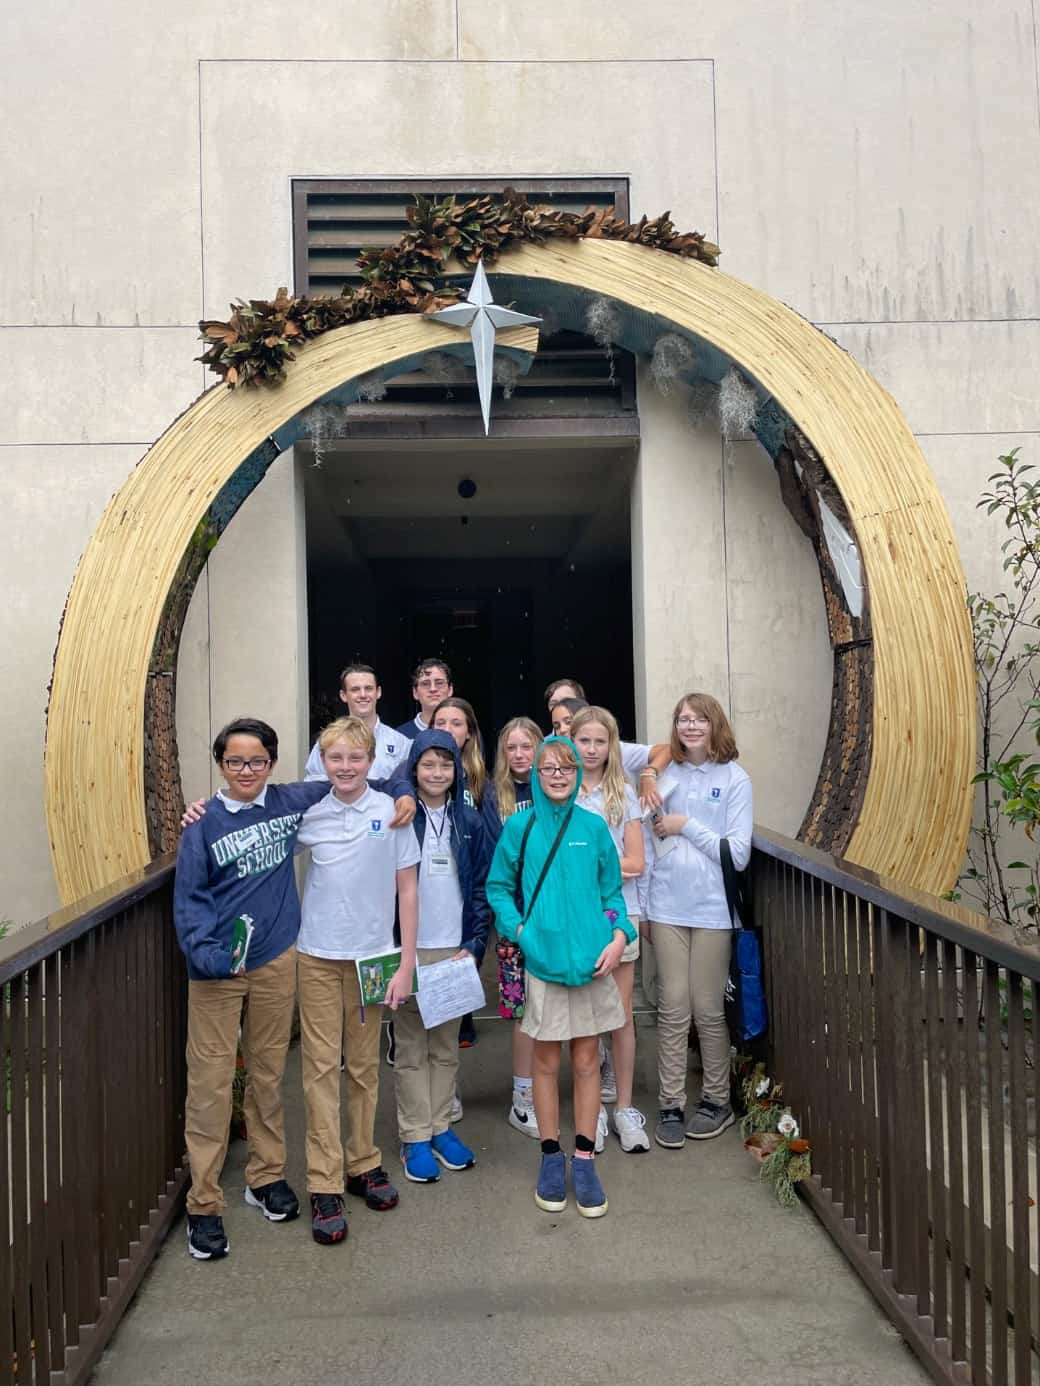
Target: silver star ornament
x,y
482,316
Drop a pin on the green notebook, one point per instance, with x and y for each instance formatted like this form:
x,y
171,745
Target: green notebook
x,y
241,938
374,976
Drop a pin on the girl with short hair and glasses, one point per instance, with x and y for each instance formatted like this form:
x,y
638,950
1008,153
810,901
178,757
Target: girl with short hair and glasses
x,y
555,887
705,797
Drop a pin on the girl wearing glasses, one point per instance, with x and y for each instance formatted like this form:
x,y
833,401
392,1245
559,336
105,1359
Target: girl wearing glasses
x,y
555,887
706,797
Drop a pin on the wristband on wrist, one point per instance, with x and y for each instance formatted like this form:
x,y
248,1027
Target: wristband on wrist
x,y
649,770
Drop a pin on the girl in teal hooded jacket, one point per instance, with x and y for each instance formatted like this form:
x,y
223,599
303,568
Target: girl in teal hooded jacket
x,y
572,932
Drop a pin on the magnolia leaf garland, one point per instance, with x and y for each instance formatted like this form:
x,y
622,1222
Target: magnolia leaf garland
x,y
257,341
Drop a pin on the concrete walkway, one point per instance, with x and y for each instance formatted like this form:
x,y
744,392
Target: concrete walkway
x,y
694,1276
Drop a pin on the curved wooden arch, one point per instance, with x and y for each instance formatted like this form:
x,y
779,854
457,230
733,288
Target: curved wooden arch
x,y
916,808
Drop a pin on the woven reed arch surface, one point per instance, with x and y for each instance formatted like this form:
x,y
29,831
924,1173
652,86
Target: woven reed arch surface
x,y
916,808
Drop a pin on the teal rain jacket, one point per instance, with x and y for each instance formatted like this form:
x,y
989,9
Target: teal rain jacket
x,y
568,928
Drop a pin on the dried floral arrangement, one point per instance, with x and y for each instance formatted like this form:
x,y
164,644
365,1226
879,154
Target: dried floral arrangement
x,y
257,342
771,1134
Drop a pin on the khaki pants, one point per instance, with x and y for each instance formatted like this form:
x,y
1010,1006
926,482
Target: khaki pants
x,y
692,968
426,1065
331,1026
214,1017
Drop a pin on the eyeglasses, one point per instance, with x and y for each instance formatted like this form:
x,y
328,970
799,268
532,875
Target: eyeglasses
x,y
237,763
692,722
432,683
565,771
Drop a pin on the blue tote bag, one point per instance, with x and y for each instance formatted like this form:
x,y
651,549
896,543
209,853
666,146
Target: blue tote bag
x,y
746,1013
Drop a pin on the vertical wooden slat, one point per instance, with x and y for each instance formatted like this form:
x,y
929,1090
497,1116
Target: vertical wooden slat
x,y
57,1229
847,1099
903,1163
976,1207
91,1113
953,1030
868,1031
884,970
998,1196
913,1121
1018,1112
35,1167
19,1184
937,1076
7,1274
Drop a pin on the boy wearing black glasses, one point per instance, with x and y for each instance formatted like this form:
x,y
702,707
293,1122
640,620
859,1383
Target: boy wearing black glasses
x,y
237,915
431,684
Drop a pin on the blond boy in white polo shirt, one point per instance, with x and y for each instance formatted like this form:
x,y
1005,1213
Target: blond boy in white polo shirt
x,y
360,870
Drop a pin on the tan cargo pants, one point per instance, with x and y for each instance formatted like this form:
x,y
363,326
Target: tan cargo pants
x,y
214,1017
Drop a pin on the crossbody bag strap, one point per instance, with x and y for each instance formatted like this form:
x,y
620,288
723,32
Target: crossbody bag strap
x,y
548,860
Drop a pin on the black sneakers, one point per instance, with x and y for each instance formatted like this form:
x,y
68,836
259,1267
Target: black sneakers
x,y
328,1220
207,1240
375,1188
276,1201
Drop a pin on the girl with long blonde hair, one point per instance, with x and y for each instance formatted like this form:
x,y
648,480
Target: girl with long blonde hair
x,y
604,791
518,744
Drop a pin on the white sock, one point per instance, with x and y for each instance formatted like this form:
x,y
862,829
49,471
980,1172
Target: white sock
x,y
522,1088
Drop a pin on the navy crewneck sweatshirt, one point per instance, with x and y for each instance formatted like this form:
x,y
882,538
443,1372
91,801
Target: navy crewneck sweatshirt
x,y
230,864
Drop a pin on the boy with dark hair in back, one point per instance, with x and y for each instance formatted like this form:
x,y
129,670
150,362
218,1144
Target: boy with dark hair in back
x,y
235,889
431,684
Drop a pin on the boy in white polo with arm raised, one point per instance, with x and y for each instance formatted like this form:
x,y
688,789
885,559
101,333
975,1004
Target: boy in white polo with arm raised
x,y
360,690
360,871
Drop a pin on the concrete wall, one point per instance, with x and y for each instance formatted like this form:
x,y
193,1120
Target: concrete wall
x,y
873,164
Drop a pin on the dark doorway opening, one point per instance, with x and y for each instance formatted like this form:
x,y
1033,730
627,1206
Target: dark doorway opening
x,y
519,577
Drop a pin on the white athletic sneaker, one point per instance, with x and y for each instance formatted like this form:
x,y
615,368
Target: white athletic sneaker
x,y
630,1125
522,1117
602,1128
607,1081
456,1107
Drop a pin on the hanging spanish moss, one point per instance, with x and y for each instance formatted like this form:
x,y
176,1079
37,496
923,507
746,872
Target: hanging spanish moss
x,y
738,405
443,368
603,324
371,387
671,357
320,424
507,373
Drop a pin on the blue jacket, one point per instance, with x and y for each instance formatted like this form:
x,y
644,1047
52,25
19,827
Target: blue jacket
x,y
469,842
565,932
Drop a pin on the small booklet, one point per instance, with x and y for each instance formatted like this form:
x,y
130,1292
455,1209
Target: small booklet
x,y
241,938
374,976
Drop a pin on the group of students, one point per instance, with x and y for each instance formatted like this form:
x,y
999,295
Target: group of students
x,y
415,846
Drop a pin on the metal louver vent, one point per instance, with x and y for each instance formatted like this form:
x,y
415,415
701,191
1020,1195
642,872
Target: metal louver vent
x,y
572,377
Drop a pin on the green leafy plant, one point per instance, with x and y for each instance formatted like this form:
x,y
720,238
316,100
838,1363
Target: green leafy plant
x,y
1006,630
771,1133
258,340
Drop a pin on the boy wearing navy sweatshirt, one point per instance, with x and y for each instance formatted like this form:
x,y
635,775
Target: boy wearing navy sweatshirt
x,y
453,920
236,863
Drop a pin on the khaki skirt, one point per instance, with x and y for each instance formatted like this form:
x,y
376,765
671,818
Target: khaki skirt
x,y
553,1012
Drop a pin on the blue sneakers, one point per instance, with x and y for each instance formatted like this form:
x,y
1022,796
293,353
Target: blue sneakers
x,y
451,1152
551,1191
588,1191
419,1165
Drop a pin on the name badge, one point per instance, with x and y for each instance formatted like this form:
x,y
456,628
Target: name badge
x,y
440,864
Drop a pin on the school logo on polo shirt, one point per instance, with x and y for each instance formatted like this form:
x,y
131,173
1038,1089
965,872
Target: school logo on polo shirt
x,y
716,793
389,748
375,828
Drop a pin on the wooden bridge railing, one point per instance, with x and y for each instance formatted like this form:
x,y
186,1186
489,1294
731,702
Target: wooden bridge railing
x,y
92,1028
903,1032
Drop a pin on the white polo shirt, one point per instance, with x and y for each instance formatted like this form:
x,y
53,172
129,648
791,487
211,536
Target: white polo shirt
x,y
686,886
391,751
350,895
440,894
595,802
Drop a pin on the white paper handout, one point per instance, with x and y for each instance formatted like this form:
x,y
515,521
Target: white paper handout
x,y
448,990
